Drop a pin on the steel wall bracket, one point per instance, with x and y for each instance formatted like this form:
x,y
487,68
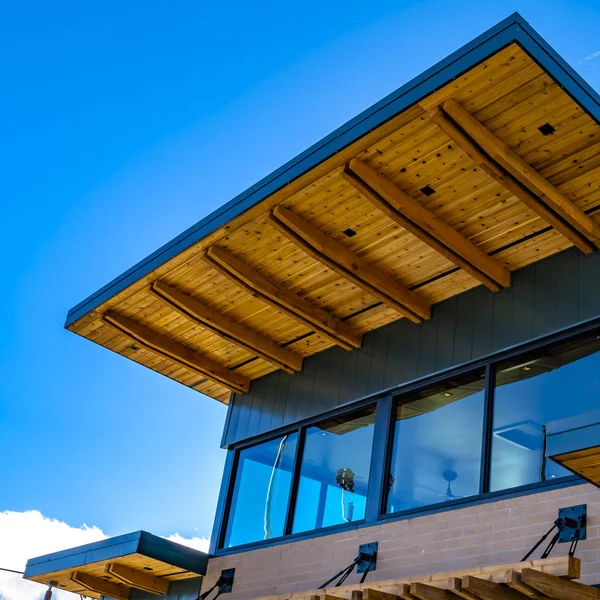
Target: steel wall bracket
x,y
227,576
368,556
572,516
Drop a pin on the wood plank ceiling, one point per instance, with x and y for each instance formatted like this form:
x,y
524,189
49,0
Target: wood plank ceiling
x,y
495,171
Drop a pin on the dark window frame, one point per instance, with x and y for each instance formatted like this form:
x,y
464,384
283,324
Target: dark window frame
x,y
385,402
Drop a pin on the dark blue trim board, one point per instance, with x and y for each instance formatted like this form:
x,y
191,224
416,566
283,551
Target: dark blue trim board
x,y
514,29
140,542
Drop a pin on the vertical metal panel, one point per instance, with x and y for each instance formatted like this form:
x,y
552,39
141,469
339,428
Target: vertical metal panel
x,y
327,381
502,308
544,299
446,332
463,331
427,344
554,293
394,359
523,294
380,338
482,322
589,286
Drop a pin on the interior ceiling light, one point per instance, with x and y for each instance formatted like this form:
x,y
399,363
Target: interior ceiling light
x,y
447,394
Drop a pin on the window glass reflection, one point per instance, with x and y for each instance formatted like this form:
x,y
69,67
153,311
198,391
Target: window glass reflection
x,y
531,391
334,475
261,491
436,454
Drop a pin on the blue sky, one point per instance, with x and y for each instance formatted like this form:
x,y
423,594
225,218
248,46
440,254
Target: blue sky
x,y
123,124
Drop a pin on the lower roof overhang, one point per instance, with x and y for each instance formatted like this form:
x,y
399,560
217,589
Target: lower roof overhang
x,y
112,567
574,443
480,166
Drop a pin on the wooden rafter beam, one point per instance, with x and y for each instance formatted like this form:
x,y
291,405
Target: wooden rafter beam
x,y
485,162
424,591
489,590
404,592
455,585
523,172
101,586
224,326
349,265
557,587
414,217
138,579
310,315
161,344
514,581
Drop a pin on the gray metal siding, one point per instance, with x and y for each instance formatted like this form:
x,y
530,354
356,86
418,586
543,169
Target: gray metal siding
x,y
553,294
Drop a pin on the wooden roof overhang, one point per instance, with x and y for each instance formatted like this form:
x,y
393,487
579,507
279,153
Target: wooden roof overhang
x,y
482,165
114,566
538,579
574,443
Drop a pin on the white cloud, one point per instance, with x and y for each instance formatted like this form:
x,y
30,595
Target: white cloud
x,y
197,543
28,534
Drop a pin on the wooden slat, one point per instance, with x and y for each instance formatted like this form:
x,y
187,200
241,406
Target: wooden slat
x,y
422,223
404,592
221,324
513,580
373,594
424,591
489,590
178,353
138,579
480,158
558,588
312,316
523,172
345,263
101,586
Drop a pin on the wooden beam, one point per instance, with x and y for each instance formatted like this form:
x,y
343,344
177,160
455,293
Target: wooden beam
x,y
157,342
455,585
424,591
101,586
138,579
373,594
297,307
514,581
404,592
481,159
222,325
489,590
523,172
558,588
429,228
349,265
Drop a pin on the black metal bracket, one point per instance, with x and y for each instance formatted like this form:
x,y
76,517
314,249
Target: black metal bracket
x,y
367,554
574,519
226,579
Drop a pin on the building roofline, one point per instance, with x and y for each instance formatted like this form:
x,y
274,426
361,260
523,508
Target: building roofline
x,y
512,29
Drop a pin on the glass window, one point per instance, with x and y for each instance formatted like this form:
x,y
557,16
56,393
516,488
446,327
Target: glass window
x,y
334,474
436,453
531,391
261,491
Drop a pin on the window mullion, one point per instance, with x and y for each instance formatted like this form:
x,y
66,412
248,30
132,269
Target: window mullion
x,y
488,425
379,459
289,515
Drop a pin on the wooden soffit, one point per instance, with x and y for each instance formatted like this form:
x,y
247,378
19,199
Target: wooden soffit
x,y
486,163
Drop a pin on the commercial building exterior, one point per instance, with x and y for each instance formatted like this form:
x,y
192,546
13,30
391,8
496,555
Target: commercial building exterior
x,y
405,323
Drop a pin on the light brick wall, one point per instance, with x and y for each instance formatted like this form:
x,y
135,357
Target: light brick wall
x,y
496,532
